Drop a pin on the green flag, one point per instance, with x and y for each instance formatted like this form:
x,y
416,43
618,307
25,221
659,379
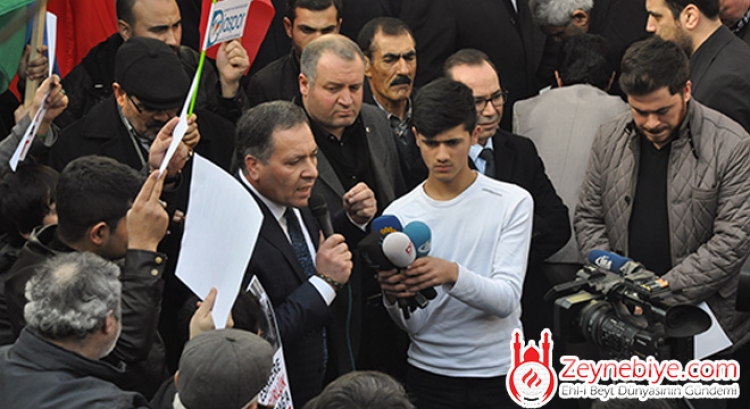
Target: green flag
x,y
11,47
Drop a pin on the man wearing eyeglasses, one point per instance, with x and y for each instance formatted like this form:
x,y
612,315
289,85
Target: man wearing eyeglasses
x,y
514,159
150,88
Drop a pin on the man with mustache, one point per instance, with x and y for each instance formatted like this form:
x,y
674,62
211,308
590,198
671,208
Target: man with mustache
x,y
514,159
391,64
668,185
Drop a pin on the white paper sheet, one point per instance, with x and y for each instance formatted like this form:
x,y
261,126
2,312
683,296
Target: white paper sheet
x,y
51,41
221,228
179,129
28,137
711,341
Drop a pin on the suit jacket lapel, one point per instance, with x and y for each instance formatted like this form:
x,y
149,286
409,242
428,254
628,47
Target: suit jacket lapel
x,y
271,232
377,152
327,175
504,158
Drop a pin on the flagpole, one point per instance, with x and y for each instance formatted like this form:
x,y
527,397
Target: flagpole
x,y
200,68
37,38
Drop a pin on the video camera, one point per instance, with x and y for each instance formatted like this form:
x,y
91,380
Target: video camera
x,y
616,304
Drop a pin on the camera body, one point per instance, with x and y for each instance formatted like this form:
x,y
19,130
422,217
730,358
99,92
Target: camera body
x,y
624,315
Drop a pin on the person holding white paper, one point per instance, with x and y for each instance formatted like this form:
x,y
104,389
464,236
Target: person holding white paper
x,y
151,88
56,101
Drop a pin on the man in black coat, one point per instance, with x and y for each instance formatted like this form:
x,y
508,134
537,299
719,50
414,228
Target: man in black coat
x,y
514,159
718,59
305,276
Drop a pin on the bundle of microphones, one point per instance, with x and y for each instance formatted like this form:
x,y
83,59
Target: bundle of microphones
x,y
389,246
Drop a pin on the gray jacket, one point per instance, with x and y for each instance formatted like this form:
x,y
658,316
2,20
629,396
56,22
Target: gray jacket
x,y
10,143
709,207
384,155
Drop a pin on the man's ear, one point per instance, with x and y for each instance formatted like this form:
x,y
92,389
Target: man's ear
x,y
177,378
252,168
557,79
124,29
110,325
581,19
98,234
288,27
475,135
368,67
690,17
120,96
304,85
688,90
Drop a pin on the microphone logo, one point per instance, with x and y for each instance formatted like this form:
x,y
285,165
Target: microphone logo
x,y
410,248
387,230
604,262
425,248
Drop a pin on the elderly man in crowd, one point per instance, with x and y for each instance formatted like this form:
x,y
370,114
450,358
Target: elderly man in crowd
x,y
74,318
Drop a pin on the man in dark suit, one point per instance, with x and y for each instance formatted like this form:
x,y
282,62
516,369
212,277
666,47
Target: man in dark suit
x,y
514,159
303,275
501,28
718,59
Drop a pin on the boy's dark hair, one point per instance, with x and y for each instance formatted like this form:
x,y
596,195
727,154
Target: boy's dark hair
x,y
444,104
652,64
26,196
584,60
92,189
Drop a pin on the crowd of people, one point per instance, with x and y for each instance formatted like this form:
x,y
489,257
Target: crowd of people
x,y
523,133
